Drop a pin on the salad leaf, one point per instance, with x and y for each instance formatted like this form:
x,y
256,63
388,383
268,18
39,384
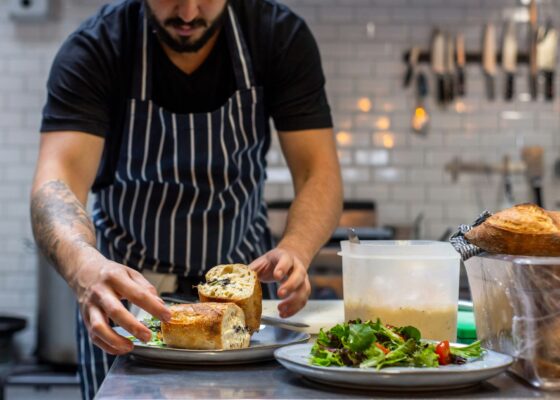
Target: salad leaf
x,y
374,357
361,336
324,357
473,350
156,340
399,355
409,332
425,356
391,335
323,338
152,323
340,331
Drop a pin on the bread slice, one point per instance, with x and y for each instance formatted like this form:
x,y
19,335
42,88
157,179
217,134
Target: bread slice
x,y
238,284
206,326
525,229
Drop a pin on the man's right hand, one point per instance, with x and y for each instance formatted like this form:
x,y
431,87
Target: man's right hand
x,y
100,285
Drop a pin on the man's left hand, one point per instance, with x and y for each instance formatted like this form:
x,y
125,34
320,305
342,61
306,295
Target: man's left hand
x,y
283,265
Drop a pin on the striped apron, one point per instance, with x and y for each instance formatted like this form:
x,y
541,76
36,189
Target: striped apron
x,y
188,188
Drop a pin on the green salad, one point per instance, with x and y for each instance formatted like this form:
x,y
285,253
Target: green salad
x,y
154,325
371,344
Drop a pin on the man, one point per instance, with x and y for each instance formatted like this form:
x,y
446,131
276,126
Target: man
x,y
161,108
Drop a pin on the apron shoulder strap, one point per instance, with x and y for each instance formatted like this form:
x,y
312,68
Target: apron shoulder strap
x,y
241,58
141,77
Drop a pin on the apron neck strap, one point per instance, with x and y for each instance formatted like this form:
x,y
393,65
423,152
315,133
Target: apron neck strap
x,y
142,77
242,65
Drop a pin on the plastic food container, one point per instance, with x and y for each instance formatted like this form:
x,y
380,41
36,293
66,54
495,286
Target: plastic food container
x,y
517,311
403,283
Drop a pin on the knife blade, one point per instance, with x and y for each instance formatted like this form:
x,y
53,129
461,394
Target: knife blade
x,y
489,59
546,58
461,60
509,59
533,69
450,69
438,64
411,65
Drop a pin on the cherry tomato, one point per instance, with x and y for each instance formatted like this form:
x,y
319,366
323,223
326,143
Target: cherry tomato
x,y
443,352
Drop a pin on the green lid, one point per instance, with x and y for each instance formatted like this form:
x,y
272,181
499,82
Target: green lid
x,y
466,328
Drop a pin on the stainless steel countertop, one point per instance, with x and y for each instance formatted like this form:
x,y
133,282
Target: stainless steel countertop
x,y
128,379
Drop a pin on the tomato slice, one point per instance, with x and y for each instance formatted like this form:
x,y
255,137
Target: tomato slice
x,y
443,352
384,349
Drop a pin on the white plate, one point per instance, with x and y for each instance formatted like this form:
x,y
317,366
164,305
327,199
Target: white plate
x,y
262,347
296,359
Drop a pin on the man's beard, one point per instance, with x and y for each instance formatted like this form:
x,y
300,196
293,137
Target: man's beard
x,y
184,44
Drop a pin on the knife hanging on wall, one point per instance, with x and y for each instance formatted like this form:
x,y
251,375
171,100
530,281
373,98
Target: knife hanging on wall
x,y
411,65
461,59
450,69
438,64
509,59
533,69
546,57
489,59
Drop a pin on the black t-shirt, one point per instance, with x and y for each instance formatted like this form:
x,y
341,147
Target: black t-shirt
x,y
91,77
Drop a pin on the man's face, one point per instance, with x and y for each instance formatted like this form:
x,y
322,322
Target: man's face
x,y
186,25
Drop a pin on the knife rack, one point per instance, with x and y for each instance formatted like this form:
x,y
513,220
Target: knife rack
x,y
470,57
457,167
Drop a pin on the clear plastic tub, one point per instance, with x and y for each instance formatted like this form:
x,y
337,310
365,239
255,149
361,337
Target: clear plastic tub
x,y
517,311
403,283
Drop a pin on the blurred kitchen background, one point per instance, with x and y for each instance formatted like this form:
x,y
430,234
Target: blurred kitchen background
x,y
398,182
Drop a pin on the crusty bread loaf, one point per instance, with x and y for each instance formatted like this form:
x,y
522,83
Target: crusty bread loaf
x,y
206,326
525,229
238,284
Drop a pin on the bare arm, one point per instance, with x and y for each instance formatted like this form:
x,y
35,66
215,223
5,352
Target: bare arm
x,y
65,172
313,215
316,209
66,168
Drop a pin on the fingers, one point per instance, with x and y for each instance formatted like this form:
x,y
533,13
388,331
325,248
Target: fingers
x,y
102,334
141,281
260,267
284,265
264,267
295,280
258,263
295,301
111,306
133,287
106,347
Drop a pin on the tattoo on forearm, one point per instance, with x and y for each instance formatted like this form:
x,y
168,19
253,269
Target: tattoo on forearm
x,y
59,219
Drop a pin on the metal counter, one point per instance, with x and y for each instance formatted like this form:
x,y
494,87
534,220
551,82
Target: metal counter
x,y
128,379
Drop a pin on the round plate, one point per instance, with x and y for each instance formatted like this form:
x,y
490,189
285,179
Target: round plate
x,y
296,359
262,347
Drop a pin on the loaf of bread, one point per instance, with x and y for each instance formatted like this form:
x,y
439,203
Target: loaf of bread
x,y
206,326
525,229
238,284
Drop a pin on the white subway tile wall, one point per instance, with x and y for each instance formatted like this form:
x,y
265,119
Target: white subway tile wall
x,y
362,44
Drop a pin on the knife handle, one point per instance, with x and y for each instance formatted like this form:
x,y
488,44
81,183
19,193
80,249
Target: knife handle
x,y
460,82
450,87
533,86
537,190
408,75
490,92
549,85
441,89
510,86
422,85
